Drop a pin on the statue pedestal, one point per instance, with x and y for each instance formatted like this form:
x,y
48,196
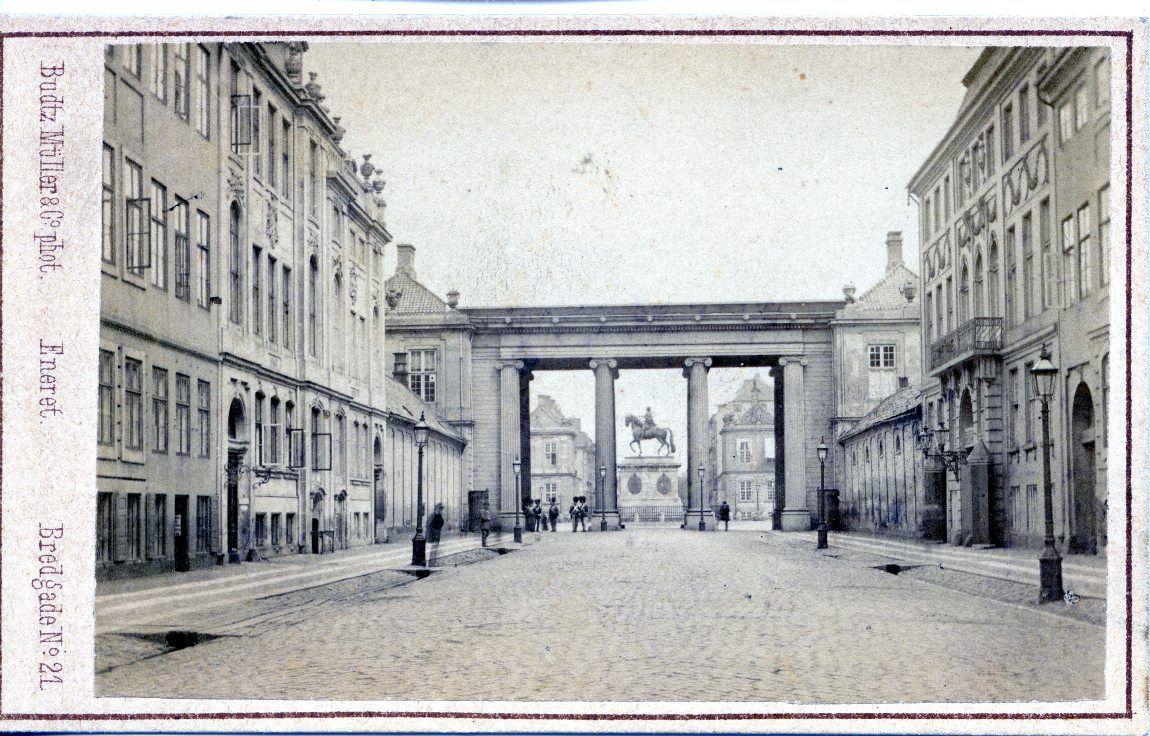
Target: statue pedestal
x,y
648,490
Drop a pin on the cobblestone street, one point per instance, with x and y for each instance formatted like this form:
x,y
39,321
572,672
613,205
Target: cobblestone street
x,y
647,615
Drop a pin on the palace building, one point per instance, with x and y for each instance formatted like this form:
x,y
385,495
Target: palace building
x,y
240,413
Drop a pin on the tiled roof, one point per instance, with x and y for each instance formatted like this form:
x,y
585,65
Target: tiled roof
x,y
754,389
414,297
900,402
885,295
402,403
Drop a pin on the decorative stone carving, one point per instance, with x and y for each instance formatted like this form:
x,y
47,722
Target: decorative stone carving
x,y
236,185
353,283
293,66
377,185
367,167
272,224
453,299
337,264
1027,174
392,297
337,136
313,88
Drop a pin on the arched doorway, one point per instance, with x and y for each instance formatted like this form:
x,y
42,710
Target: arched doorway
x,y
965,421
378,492
1083,534
316,530
237,446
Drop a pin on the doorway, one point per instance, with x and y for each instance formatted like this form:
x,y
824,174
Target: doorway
x,y
1084,533
180,534
314,536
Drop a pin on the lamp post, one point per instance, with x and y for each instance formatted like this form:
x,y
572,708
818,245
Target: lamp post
x,y
822,532
1044,374
702,523
419,542
517,531
602,498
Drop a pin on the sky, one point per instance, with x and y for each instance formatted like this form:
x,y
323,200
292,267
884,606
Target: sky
x,y
611,172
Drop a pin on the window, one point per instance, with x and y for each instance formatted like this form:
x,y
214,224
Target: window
x,y
1011,272
551,453
312,310
257,279
1015,392
1105,398
105,531
272,300
744,452
1028,409
1066,122
106,409
273,163
273,436
201,92
1081,107
341,446
881,356
1069,265
203,523
1104,235
276,530
135,527
159,235
746,490
926,210
1028,309
160,71
946,196
285,161
1085,253
989,138
897,444
421,374
1048,288
1102,79
137,215
928,305
880,447
259,425
133,405
204,410
261,529
235,308
337,346
107,209
289,529
286,299
257,132
313,181
204,260
949,303
159,523
183,414
134,59
1024,114
159,409
183,252
1007,133
180,79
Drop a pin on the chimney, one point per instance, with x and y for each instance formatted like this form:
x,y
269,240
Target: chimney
x,y
399,368
893,250
406,262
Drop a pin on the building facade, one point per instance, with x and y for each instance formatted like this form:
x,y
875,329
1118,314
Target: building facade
x,y
741,451
1014,216
240,413
562,457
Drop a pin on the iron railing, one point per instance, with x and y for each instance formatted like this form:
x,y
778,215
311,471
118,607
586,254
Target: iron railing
x,y
977,336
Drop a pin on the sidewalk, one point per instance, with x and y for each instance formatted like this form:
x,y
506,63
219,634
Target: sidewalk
x,y
137,602
1084,574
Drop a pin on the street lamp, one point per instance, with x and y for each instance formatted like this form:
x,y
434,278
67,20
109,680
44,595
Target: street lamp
x,y
702,524
602,498
516,465
822,532
419,542
1045,374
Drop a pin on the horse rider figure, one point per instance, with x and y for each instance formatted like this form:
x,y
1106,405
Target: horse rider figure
x,y
648,420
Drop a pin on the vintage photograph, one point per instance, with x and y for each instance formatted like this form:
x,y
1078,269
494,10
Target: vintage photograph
x,y
592,369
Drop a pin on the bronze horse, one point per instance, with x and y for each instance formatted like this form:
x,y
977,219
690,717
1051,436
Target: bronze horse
x,y
662,434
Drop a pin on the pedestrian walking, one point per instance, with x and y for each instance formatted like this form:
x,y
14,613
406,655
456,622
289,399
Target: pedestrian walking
x,y
434,532
484,523
725,516
553,513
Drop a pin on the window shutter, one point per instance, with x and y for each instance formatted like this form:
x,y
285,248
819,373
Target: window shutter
x,y
120,527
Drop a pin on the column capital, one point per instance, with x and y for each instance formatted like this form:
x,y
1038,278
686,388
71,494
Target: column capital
x,y
706,362
609,362
516,364
793,359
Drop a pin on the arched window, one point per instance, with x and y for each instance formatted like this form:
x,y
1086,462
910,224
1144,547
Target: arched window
x,y
337,322
977,309
313,306
963,294
992,279
235,267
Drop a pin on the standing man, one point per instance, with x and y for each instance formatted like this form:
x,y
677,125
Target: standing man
x,y
553,513
434,532
484,523
725,516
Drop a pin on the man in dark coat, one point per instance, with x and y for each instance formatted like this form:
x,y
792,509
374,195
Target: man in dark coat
x,y
434,532
725,516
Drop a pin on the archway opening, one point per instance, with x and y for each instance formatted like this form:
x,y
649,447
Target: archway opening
x,y
1083,533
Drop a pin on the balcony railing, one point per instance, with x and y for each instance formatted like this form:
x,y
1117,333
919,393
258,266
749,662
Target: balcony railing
x,y
978,336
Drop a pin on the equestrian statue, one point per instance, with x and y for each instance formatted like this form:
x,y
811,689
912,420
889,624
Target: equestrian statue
x,y
646,429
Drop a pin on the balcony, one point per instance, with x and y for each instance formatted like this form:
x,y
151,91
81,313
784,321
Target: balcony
x,y
979,336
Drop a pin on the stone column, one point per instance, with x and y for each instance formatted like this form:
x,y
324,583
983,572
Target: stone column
x,y
780,498
795,516
525,378
695,371
606,371
509,445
